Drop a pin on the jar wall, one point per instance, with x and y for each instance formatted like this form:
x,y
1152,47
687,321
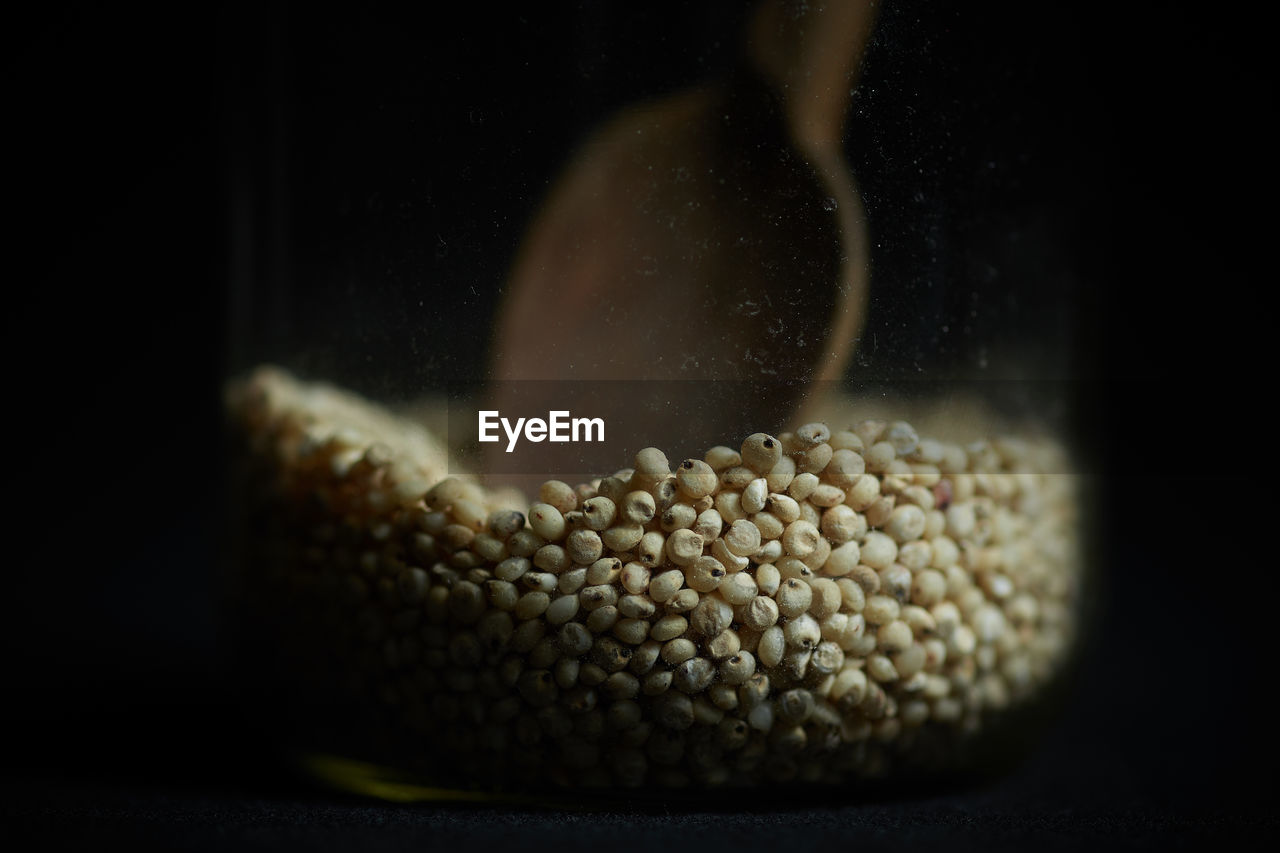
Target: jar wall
x,y
385,168
384,173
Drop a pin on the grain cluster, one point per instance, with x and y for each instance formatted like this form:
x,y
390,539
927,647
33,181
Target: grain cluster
x,y
818,605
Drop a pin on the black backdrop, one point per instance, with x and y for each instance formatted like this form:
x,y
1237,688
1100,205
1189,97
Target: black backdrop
x,y
1130,155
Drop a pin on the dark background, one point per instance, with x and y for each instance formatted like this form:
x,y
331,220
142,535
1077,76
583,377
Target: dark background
x,y
1088,184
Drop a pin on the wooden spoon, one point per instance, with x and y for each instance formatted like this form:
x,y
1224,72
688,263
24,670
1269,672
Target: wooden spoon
x,y
703,261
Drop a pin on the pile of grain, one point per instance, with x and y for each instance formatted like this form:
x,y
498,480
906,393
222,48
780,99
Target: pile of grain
x,y
821,605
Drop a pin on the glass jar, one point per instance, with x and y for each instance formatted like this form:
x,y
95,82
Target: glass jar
x,y
854,317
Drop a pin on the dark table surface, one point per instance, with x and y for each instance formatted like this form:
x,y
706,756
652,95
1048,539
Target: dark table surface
x,y
1097,779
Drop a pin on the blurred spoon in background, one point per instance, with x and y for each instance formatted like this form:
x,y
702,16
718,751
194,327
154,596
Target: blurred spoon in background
x,y
703,261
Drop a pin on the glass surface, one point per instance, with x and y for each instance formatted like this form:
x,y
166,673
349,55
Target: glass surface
x,y
626,212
